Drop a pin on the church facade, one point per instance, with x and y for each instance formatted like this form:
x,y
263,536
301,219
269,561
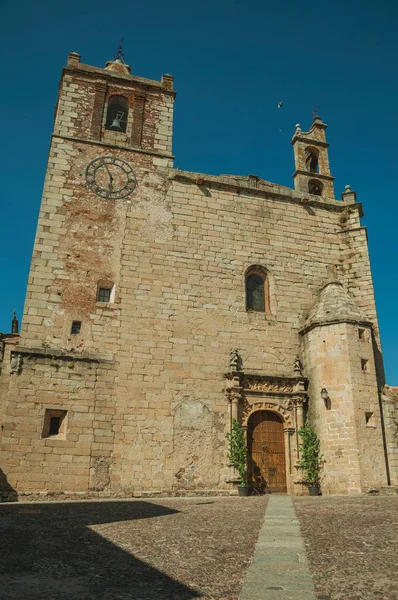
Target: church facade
x,y
162,304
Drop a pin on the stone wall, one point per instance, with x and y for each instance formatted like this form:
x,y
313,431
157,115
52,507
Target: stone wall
x,y
348,423
8,344
78,461
178,252
390,411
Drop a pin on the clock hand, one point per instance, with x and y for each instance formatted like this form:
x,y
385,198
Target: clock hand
x,y
110,177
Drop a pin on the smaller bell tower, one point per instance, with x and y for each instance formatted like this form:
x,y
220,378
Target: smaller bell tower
x,y
312,174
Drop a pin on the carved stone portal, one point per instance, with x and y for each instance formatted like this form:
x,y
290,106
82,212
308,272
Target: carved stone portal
x,y
285,396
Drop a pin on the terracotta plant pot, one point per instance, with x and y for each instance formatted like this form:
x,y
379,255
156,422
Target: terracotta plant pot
x,y
243,490
314,490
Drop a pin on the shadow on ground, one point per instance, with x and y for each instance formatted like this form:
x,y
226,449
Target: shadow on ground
x,y
7,492
48,551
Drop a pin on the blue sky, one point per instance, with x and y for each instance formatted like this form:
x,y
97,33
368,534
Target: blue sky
x,y
232,62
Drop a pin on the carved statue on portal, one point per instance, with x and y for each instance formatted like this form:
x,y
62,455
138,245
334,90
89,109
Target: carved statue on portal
x,y
15,364
298,367
235,361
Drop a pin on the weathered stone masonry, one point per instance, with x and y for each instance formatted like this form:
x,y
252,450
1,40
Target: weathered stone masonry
x,y
144,386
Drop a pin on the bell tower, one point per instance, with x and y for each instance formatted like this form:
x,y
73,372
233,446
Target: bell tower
x,y
112,107
111,149
312,174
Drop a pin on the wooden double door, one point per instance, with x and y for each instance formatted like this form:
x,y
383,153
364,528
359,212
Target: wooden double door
x,y
266,446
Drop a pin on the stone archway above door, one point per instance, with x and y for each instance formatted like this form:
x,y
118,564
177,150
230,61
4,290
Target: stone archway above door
x,y
278,405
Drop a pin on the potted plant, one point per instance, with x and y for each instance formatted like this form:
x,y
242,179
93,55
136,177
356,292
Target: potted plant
x,y
311,458
238,455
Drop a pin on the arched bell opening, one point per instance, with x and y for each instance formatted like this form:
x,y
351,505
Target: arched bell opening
x,y
117,114
266,452
315,187
312,160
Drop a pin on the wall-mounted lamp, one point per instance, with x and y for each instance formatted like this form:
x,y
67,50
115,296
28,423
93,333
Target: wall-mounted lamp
x,y
325,398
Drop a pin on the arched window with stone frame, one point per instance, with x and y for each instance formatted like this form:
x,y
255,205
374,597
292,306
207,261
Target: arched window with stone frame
x,y
257,289
117,114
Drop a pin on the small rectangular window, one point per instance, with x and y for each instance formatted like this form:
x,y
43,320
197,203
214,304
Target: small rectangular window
x,y
370,419
54,423
76,327
364,364
361,334
104,294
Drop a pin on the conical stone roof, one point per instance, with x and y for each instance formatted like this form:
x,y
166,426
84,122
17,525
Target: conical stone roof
x,y
334,305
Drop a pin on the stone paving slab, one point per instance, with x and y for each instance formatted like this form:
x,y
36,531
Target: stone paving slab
x,y
279,570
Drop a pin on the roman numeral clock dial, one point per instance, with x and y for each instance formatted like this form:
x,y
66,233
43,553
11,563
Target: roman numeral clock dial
x,y
110,177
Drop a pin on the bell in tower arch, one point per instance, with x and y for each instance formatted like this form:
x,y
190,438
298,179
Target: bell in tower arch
x,y
117,114
116,124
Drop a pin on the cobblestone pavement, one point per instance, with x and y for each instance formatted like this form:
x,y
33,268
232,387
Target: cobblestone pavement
x,y
177,549
352,546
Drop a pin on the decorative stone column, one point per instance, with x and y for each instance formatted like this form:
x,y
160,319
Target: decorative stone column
x,y
138,118
298,403
233,386
299,400
234,393
290,456
234,397
98,109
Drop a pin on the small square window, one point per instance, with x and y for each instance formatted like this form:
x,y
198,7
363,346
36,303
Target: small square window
x,y
54,423
76,327
364,364
104,294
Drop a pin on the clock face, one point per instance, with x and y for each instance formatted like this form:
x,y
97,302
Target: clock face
x,y
110,177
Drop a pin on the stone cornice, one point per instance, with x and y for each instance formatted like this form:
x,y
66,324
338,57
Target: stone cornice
x,y
110,145
354,229
312,175
309,141
254,186
9,338
303,395
59,355
110,77
308,328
